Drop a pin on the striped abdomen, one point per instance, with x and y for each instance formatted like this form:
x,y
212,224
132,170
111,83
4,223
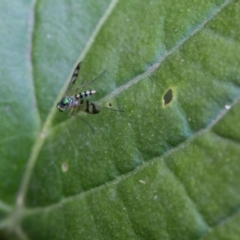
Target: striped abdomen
x,y
84,94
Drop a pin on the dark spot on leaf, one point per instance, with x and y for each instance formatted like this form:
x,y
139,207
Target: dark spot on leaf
x,y
109,104
168,96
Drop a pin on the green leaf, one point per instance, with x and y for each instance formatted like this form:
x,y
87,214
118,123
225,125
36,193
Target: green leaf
x,y
165,168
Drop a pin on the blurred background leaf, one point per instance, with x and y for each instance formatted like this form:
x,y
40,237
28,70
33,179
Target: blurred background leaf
x,y
167,167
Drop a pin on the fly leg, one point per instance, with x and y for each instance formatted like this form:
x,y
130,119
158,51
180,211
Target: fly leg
x,y
73,112
88,83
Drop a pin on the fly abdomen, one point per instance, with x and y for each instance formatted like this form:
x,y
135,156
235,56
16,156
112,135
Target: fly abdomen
x,y
91,108
85,105
84,94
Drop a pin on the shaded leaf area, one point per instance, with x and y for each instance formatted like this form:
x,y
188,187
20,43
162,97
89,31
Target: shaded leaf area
x,y
20,110
154,171
7,235
19,115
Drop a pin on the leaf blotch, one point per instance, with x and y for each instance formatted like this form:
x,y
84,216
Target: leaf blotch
x,y
64,167
168,96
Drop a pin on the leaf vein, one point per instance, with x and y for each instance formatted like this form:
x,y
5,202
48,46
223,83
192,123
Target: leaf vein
x,y
157,64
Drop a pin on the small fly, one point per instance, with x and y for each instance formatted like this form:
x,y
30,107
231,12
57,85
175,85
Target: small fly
x,y
77,102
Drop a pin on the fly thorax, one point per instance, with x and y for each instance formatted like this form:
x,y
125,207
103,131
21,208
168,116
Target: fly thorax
x,y
74,102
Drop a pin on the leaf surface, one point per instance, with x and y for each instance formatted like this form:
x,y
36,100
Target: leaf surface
x,y
162,169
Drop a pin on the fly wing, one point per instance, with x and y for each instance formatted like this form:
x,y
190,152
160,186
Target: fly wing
x,y
89,107
73,78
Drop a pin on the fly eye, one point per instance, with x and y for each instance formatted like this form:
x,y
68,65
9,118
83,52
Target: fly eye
x,y
65,102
